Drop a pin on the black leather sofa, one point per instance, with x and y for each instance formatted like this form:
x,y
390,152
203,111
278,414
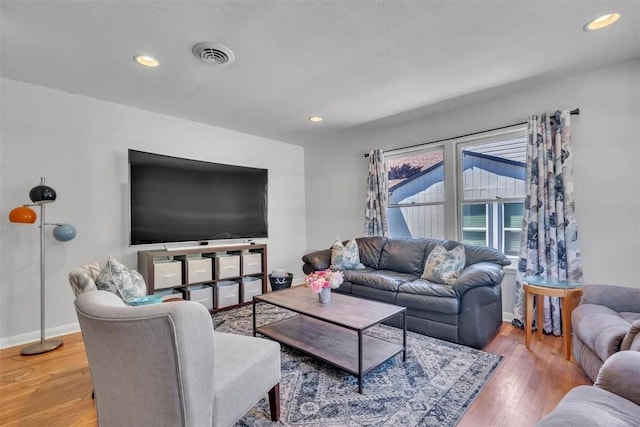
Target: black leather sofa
x,y
468,312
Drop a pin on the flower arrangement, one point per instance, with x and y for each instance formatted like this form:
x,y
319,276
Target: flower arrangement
x,y
319,280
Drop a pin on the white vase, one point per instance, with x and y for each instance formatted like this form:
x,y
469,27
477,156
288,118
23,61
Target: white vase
x,y
325,296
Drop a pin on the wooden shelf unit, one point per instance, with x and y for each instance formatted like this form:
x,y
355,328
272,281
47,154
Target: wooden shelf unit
x,y
146,268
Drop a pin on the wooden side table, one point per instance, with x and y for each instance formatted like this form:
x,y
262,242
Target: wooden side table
x,y
565,290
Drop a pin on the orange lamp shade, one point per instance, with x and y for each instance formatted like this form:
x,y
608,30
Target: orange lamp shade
x,y
23,215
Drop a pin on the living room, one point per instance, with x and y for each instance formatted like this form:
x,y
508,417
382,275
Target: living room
x,y
317,186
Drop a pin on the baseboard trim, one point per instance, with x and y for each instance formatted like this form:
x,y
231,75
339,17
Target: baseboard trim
x,y
34,336
507,317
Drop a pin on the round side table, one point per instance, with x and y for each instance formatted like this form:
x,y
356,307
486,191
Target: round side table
x,y
537,286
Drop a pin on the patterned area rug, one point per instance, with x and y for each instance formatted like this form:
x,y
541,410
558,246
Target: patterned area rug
x,y
434,387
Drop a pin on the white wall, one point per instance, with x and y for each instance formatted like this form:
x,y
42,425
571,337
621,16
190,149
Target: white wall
x,y
80,145
606,150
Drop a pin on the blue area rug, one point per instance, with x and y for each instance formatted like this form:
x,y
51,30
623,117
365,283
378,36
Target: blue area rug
x,y
434,387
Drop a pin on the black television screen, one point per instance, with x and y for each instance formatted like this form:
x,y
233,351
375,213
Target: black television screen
x,y
180,200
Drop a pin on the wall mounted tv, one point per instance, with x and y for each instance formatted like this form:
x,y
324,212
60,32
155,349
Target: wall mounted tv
x,y
182,200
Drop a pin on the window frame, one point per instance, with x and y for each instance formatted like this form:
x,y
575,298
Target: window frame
x,y
495,213
413,151
453,181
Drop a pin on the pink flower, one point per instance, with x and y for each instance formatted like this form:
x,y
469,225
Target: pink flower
x,y
319,280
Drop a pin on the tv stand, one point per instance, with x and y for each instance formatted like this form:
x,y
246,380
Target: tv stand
x,y
151,262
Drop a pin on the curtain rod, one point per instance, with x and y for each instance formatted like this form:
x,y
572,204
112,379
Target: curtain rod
x,y
574,112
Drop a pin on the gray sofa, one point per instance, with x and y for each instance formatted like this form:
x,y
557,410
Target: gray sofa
x,y
606,321
468,312
613,401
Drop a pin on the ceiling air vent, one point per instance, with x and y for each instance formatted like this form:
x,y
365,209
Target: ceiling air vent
x,y
213,53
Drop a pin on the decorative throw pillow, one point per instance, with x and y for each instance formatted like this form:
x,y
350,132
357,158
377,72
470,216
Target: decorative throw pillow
x,y
345,257
444,266
118,279
629,340
82,278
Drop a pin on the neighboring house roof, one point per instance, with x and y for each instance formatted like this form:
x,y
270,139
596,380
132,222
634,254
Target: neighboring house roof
x,y
497,165
423,160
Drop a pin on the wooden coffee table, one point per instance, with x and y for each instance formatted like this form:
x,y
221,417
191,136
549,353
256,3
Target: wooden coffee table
x,y
333,332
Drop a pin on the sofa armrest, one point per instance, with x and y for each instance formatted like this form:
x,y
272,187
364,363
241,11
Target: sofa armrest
x,y
617,298
620,374
479,274
318,260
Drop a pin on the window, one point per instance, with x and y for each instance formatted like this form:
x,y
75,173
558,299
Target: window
x,y
492,173
485,209
416,194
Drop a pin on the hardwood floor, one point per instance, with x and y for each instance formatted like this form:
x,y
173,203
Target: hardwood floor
x,y
54,389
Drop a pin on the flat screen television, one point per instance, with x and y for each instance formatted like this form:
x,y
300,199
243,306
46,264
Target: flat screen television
x,y
182,200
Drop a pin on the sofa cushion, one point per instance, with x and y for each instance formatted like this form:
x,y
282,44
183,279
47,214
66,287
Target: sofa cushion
x,y
434,304
630,316
404,255
345,257
370,250
443,266
424,287
620,374
592,406
367,292
599,328
378,279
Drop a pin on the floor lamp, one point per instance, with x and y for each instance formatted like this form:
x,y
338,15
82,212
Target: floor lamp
x,y
40,195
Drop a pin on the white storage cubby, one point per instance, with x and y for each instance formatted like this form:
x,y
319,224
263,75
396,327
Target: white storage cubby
x,y
227,266
227,294
167,274
196,269
251,263
202,294
219,277
251,286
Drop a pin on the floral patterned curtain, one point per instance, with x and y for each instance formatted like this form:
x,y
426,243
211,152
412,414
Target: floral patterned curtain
x,y
549,239
375,215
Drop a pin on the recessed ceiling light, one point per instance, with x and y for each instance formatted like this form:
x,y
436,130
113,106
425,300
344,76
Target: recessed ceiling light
x,y
601,22
146,61
315,119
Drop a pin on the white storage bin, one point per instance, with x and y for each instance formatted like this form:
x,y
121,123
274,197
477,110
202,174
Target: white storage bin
x,y
202,294
227,294
251,286
252,263
198,270
167,274
227,266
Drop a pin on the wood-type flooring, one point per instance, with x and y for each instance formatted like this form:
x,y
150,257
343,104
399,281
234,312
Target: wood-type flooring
x,y
54,389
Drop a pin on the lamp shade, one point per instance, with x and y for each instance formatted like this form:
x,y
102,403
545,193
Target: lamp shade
x,y
64,232
23,215
42,194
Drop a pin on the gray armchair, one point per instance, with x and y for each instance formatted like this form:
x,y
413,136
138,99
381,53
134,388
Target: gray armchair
x,y
604,324
163,364
613,401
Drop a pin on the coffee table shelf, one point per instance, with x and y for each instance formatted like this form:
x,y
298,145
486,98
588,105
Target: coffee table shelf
x,y
334,332
330,343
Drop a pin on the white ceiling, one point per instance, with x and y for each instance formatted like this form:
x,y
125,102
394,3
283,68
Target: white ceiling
x,y
351,62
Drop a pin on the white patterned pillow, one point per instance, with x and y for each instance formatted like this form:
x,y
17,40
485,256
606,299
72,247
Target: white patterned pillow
x,y
444,266
118,279
345,257
82,279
